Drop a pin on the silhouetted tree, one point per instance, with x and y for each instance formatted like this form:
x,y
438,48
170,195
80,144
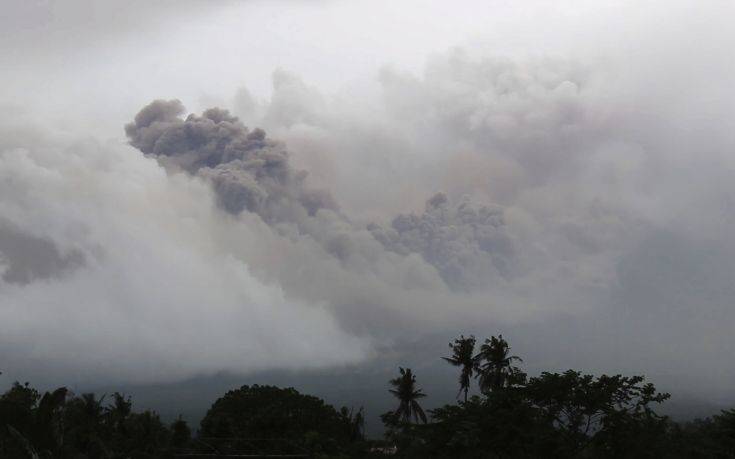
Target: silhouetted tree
x,y
463,356
405,390
355,421
31,424
47,434
295,420
501,425
180,433
86,431
722,433
495,366
16,407
59,427
552,415
146,436
120,409
610,415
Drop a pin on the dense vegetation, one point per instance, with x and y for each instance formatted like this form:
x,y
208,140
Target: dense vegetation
x,y
282,420
515,416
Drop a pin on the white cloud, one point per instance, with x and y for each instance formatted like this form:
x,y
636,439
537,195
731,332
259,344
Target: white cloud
x,y
157,296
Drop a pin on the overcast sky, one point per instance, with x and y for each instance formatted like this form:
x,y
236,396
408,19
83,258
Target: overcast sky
x,y
559,172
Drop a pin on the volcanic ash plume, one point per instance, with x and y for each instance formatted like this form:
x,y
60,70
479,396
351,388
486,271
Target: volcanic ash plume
x,y
248,171
466,244
113,270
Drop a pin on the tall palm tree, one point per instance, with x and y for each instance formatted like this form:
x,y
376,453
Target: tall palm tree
x,y
48,432
119,410
494,365
463,355
405,390
45,436
358,425
355,421
92,407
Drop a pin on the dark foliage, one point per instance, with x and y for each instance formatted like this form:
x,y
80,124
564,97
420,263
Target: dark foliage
x,y
59,425
552,415
270,418
408,394
463,356
494,365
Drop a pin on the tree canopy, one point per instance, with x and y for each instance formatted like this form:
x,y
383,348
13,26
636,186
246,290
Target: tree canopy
x,y
269,415
570,414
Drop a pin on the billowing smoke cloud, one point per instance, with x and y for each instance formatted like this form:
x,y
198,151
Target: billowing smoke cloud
x,y
251,172
248,171
112,270
467,244
533,164
559,180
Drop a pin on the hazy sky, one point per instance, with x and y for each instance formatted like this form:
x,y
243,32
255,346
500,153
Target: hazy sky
x,y
559,172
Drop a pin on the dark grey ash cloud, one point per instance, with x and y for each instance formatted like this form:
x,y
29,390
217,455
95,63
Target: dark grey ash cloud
x,y
468,244
248,171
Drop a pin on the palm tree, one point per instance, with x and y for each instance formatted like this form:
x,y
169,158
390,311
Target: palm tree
x,y
494,365
119,410
48,433
358,424
355,421
463,350
180,433
45,436
92,408
407,393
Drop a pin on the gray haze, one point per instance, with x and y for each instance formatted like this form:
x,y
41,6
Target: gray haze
x,y
321,188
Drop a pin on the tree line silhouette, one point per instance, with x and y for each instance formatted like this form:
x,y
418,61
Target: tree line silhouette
x,y
554,415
